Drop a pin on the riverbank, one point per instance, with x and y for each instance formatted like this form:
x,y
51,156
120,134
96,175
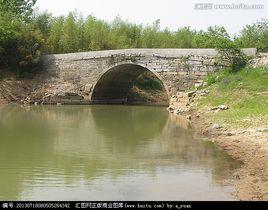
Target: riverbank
x,y
228,109
248,145
42,89
232,111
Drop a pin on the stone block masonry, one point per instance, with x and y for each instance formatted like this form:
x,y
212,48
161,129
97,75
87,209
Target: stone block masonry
x,y
178,69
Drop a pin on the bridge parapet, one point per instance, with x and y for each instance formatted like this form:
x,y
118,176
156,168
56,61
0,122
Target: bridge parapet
x,y
167,53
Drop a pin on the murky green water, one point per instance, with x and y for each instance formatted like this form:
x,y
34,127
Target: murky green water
x,y
106,153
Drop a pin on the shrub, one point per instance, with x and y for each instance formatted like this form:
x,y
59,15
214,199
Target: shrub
x,y
29,50
211,79
21,45
231,55
148,81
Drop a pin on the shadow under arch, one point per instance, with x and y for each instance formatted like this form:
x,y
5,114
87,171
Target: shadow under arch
x,y
114,85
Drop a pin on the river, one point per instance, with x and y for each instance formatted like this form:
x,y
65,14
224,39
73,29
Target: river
x,y
107,152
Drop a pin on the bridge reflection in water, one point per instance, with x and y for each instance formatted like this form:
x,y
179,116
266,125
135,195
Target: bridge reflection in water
x,y
106,153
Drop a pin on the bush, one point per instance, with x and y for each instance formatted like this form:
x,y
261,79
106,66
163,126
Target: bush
x,y
21,45
211,79
230,55
29,50
148,81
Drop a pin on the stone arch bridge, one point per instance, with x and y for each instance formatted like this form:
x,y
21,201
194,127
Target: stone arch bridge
x,y
106,76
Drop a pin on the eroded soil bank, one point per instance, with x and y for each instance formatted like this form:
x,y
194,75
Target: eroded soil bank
x,y
248,145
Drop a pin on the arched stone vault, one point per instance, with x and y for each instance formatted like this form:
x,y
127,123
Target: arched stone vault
x,y
114,84
100,75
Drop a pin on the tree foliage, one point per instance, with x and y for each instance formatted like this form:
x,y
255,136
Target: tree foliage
x,y
19,8
231,55
20,41
25,34
255,35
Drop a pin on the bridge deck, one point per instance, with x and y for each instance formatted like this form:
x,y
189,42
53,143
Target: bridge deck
x,y
146,52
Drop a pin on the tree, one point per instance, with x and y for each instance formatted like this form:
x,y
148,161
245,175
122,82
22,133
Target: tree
x,y
97,34
214,37
231,55
55,44
184,38
255,35
150,35
69,32
29,50
8,37
19,8
125,34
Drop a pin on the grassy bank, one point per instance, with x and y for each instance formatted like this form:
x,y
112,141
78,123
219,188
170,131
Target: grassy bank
x,y
246,94
148,89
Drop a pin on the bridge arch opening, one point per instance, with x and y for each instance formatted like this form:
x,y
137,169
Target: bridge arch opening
x,y
129,84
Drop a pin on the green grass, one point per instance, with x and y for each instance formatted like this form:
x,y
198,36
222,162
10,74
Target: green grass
x,y
245,92
147,81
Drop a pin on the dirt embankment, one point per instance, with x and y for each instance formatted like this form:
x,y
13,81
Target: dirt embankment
x,y
15,91
248,145
42,89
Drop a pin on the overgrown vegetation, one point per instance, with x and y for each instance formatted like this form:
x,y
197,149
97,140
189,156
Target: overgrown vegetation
x,y
25,34
20,42
229,54
147,81
148,89
245,92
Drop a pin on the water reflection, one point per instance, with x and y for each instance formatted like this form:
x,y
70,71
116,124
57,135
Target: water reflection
x,y
106,153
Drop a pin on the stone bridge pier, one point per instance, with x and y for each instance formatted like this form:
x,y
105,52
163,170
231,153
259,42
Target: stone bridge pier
x,y
107,76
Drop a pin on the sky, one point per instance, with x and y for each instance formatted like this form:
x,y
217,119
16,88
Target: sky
x,y
172,13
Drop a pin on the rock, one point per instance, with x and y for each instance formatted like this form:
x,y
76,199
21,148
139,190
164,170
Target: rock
x,y
262,129
181,110
198,84
190,94
223,107
178,111
170,108
35,103
216,126
189,117
173,99
88,87
214,108
202,92
70,94
59,104
218,108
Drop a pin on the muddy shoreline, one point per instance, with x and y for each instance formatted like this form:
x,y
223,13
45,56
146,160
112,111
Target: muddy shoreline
x,y
249,146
